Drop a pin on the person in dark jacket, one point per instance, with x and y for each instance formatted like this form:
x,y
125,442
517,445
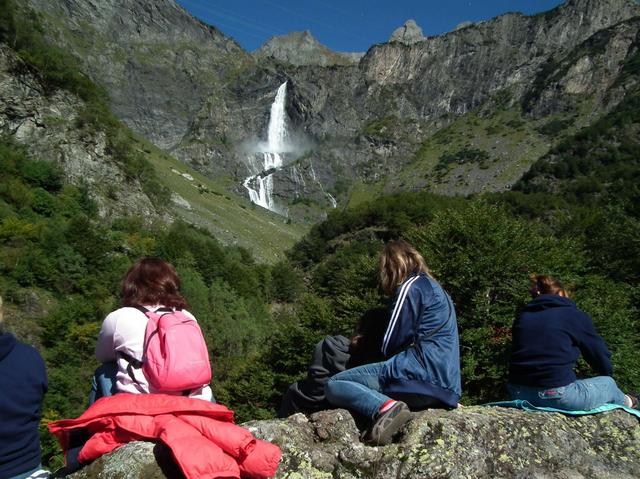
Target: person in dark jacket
x,y
549,336
23,383
422,368
332,355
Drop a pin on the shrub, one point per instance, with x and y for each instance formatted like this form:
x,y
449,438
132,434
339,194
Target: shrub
x,y
472,155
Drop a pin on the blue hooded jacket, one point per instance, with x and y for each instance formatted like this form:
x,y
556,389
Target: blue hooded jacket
x,y
421,343
23,382
548,338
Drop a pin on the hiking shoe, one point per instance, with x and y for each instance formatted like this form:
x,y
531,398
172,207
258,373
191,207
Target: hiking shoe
x,y
387,424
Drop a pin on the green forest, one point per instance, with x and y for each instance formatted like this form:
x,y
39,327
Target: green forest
x,y
575,215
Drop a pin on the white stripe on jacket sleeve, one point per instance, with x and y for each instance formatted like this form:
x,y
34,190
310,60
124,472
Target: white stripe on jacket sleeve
x,y
396,312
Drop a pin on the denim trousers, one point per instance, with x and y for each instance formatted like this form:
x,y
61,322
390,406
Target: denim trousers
x,y
358,389
581,395
103,382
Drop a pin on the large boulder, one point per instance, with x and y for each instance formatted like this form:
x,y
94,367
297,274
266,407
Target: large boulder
x,y
473,442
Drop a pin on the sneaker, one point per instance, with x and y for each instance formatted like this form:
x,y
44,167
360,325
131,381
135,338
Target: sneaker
x,y
635,400
387,424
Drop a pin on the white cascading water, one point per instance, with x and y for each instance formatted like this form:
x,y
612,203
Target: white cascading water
x,y
260,185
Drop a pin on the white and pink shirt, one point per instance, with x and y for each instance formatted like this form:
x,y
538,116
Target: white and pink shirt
x,y
123,332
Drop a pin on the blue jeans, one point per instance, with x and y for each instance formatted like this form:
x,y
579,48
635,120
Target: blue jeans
x,y
581,395
103,382
357,389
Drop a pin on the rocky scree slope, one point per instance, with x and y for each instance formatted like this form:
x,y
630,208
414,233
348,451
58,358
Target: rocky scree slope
x,y
361,122
473,442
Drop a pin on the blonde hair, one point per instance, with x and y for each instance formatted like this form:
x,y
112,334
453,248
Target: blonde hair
x,y
398,261
545,284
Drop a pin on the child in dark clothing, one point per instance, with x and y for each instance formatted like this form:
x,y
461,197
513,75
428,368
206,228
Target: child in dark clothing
x,y
548,338
23,383
332,355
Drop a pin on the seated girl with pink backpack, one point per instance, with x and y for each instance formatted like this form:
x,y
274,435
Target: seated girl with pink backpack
x,y
152,344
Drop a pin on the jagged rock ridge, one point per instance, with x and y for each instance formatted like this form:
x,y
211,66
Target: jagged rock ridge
x,y
409,33
157,62
301,48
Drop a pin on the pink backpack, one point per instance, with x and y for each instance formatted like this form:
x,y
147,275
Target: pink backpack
x,y
175,356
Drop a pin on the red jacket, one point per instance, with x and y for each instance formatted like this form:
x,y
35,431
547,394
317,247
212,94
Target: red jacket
x,y
201,435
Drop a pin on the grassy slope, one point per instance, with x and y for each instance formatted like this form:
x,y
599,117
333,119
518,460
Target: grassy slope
x,y
231,218
513,143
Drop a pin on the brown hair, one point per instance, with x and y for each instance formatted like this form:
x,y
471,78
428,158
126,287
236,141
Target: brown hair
x,y
152,281
399,260
543,284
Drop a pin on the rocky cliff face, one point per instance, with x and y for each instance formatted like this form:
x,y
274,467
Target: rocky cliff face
x,y
156,61
600,68
401,94
191,90
47,124
470,442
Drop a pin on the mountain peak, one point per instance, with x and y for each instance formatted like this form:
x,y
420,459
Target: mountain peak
x,y
302,48
408,33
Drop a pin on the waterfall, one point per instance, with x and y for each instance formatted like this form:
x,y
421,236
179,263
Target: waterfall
x,y
260,185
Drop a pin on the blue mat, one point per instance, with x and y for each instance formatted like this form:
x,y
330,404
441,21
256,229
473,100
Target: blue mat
x,y
527,406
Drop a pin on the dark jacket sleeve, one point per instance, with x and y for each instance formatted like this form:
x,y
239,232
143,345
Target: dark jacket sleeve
x,y
592,346
404,312
43,372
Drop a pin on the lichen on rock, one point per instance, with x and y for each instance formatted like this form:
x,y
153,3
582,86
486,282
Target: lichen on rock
x,y
473,442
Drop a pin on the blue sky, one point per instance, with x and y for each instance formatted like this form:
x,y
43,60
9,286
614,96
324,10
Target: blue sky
x,y
347,25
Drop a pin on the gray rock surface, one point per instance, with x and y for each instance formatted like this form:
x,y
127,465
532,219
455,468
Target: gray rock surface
x,y
157,62
409,33
473,442
301,48
46,123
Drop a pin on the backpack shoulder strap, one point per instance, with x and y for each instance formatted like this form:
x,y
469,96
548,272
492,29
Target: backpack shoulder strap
x,y
133,363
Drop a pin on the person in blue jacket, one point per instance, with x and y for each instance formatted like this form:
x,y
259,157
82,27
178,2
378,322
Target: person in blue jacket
x,y
421,345
23,383
549,336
